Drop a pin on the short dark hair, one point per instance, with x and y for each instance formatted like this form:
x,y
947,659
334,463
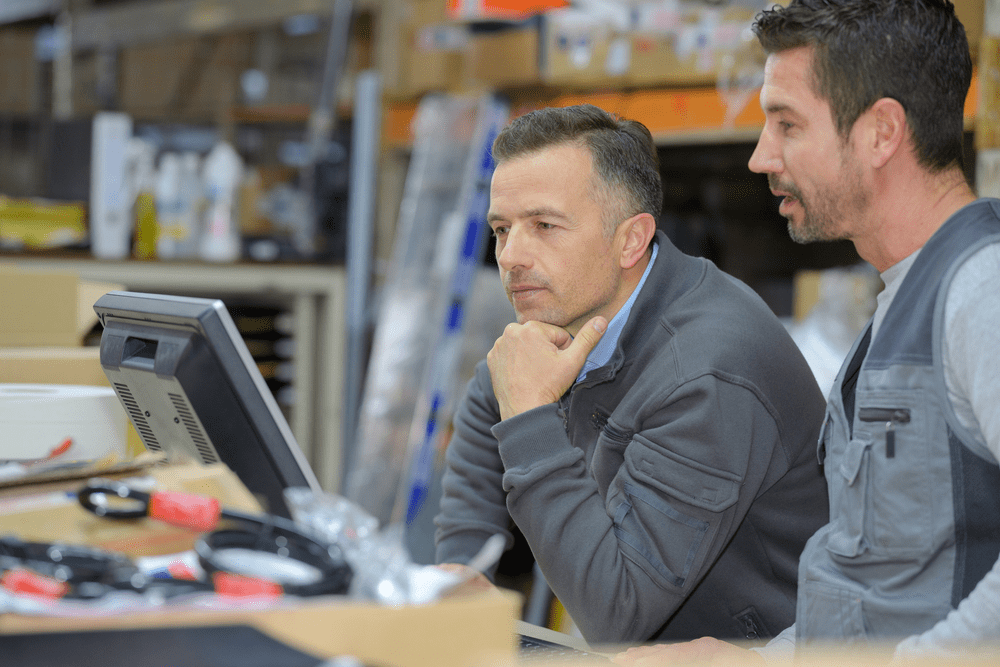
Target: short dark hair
x,y
623,153
913,51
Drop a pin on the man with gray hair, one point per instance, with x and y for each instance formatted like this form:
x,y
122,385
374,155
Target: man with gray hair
x,y
647,423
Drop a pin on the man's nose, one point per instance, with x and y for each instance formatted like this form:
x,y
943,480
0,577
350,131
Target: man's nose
x,y
765,159
513,250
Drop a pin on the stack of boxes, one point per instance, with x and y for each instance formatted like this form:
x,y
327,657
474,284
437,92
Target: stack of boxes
x,y
593,45
46,319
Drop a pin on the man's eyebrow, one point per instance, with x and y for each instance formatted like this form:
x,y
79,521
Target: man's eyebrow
x,y
543,211
780,107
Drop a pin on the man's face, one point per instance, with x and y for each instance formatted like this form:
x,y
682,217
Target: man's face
x,y
555,263
804,157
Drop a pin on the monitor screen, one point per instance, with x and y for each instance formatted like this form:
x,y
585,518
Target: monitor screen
x,y
190,387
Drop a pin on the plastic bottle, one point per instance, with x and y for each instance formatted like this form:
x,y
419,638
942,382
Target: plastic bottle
x,y
147,228
110,227
193,205
169,206
179,197
222,172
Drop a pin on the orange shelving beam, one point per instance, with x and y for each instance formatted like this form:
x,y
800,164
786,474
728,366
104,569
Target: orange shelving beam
x,y
665,111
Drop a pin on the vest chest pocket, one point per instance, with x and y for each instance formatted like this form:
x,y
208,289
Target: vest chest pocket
x,y
898,480
881,490
893,418
848,498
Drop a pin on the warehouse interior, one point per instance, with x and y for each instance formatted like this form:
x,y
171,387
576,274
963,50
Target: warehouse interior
x,y
274,155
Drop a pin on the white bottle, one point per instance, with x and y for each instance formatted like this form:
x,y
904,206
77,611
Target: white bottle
x,y
110,196
192,194
222,173
169,206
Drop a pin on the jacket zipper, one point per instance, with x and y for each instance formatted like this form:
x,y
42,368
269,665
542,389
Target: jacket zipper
x,y
892,417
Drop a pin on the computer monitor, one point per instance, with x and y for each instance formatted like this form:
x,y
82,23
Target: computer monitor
x,y
190,387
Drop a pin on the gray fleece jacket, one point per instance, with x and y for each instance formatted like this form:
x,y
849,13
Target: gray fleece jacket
x,y
669,494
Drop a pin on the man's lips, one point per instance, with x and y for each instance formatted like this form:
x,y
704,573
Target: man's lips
x,y
521,291
787,200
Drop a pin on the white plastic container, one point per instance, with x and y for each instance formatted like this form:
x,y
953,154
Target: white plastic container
x,y
222,173
110,195
36,419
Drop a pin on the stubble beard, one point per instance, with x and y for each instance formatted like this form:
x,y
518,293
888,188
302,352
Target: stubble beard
x,y
825,214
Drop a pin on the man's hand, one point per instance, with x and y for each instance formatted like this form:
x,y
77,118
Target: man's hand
x,y
535,363
475,581
704,651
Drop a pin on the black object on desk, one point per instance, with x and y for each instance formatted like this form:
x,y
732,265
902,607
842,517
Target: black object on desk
x,y
197,646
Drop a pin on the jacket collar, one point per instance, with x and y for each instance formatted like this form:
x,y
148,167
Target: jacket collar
x,y
672,275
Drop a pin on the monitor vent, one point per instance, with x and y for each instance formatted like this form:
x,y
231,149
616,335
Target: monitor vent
x,y
193,428
138,419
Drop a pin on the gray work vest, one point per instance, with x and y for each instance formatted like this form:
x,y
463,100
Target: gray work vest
x,y
914,502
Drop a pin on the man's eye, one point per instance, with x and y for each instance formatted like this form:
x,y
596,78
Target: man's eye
x,y
499,231
785,125
544,225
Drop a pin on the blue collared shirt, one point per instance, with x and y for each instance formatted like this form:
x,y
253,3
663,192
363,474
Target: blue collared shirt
x,y
605,347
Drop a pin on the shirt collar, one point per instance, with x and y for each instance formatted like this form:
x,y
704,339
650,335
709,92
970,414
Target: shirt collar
x,y
601,354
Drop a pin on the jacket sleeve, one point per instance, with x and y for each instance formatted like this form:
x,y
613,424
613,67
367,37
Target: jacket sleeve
x,y
621,565
971,338
473,500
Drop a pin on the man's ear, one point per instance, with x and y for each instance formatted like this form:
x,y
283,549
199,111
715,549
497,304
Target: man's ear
x,y
888,130
637,232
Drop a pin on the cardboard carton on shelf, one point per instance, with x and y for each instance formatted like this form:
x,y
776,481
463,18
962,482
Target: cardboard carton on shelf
x,y
503,58
21,74
52,365
578,49
435,58
47,316
45,309
690,48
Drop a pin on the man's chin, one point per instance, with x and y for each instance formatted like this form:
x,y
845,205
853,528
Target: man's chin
x,y
797,234
812,234
524,318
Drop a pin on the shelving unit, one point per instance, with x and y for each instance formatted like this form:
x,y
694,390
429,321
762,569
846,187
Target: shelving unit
x,y
315,297
674,116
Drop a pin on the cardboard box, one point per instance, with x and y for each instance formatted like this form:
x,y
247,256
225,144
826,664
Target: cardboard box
x,y
459,631
972,14
20,76
689,48
851,290
427,12
468,631
38,309
45,309
504,57
988,107
52,365
189,78
580,50
433,58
